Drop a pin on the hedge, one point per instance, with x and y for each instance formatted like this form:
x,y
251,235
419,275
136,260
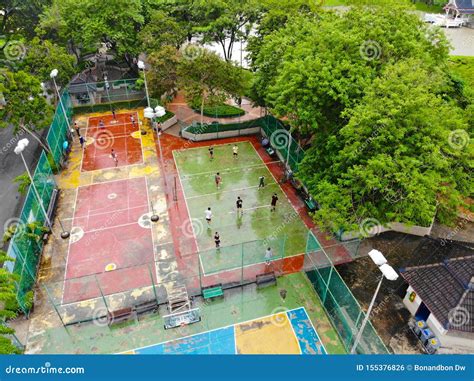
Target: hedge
x,y
221,111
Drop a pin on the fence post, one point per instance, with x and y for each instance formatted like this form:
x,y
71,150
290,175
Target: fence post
x,y
101,293
242,265
153,283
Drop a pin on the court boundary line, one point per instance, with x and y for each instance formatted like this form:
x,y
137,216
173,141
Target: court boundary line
x,y
149,203
98,230
214,145
252,264
227,191
227,170
185,201
69,247
228,326
99,214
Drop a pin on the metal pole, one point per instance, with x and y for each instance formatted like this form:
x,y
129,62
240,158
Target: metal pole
x,y
161,157
64,110
366,319
146,89
37,195
288,150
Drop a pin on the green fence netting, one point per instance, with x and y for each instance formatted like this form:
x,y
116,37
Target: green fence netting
x,y
340,304
26,244
58,132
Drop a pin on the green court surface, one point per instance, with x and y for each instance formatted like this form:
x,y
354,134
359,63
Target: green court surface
x,y
257,228
238,305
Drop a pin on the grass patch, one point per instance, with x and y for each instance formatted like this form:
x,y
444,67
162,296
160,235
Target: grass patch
x,y
222,111
463,66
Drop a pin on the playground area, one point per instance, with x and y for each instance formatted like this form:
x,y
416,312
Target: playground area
x,y
142,271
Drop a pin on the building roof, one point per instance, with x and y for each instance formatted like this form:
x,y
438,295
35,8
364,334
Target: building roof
x,y
462,6
447,289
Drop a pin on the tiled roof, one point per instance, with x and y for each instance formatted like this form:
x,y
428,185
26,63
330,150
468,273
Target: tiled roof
x,y
447,289
464,6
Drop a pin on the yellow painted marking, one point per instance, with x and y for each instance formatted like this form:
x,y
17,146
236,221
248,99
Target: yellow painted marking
x,y
272,335
110,267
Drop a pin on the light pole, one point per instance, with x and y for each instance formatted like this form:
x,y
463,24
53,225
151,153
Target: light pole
x,y
20,147
387,272
141,66
53,75
151,114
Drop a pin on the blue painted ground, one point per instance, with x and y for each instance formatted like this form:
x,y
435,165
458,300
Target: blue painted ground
x,y
222,340
308,339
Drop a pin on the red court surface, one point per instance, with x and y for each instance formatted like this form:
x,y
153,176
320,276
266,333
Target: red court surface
x,y
119,134
106,232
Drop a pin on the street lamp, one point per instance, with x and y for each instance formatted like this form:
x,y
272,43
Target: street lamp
x,y
53,75
20,147
387,272
151,114
141,66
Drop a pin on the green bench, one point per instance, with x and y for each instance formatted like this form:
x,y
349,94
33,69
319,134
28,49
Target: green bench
x,y
212,292
310,204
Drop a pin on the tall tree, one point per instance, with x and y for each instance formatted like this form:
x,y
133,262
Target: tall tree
x,y
163,77
25,107
226,22
43,56
208,78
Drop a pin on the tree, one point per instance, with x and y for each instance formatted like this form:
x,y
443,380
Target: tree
x,y
7,294
23,182
43,56
226,22
162,76
87,23
25,107
162,30
208,78
392,161
20,17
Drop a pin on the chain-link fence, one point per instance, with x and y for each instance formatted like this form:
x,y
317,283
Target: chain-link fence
x,y
340,304
26,244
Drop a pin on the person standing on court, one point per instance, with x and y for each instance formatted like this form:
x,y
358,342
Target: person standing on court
x,y
274,202
132,119
261,182
211,153
235,151
208,215
82,141
113,114
218,180
114,156
238,203
268,256
101,124
217,240
78,131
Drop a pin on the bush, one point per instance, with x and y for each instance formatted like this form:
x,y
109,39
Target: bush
x,y
221,111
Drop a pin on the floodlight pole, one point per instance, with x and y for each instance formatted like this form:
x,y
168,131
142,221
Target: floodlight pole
x,y
53,75
141,65
366,319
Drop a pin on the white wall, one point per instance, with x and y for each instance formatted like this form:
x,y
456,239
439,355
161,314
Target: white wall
x,y
411,306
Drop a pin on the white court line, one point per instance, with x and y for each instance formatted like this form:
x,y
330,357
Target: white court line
x,y
211,330
149,202
227,191
109,181
69,246
102,213
227,170
252,264
187,207
315,330
294,333
213,145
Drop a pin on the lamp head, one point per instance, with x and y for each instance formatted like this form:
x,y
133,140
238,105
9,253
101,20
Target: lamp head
x,y
54,73
21,145
141,65
377,257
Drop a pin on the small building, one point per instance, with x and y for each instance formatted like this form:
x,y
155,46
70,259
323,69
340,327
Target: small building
x,y
463,9
442,295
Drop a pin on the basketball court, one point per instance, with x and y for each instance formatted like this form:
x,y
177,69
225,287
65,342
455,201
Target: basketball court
x,y
111,231
284,332
105,133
